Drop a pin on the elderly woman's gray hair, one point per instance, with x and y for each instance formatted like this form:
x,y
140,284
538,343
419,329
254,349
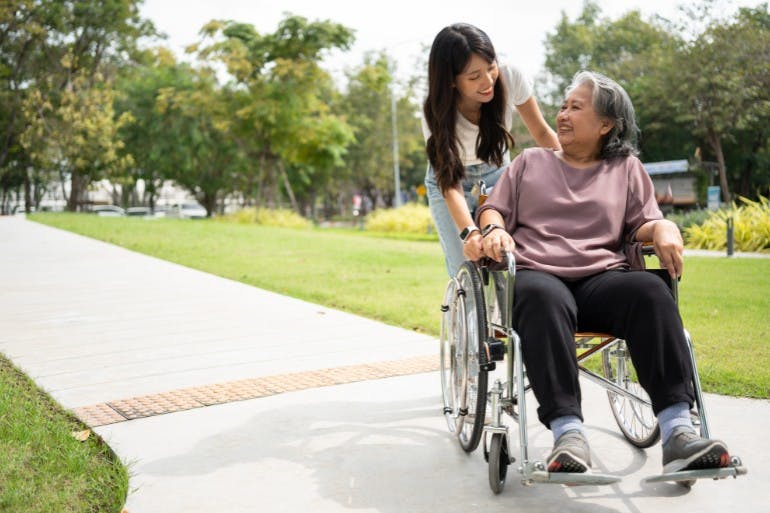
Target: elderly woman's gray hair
x,y
611,101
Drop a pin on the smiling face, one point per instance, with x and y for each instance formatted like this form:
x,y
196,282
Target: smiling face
x,y
476,83
579,128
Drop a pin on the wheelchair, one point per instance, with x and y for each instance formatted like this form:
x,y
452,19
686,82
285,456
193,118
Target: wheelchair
x,y
476,335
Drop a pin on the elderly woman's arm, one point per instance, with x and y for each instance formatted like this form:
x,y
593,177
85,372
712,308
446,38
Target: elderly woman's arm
x,y
667,241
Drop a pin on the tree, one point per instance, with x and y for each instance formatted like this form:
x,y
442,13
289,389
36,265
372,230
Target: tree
x,y
367,108
78,137
722,89
150,137
204,155
44,45
282,121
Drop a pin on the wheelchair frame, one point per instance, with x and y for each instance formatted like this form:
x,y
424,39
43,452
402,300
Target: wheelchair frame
x,y
476,333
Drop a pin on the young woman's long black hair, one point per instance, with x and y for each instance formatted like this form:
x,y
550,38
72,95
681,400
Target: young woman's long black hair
x,y
452,49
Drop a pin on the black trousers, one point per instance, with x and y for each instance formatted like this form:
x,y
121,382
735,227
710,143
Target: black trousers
x,y
634,305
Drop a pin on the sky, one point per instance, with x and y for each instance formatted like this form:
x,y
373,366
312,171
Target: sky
x,y
403,28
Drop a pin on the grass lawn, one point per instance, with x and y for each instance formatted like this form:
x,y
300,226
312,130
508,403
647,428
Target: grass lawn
x,y
725,303
43,467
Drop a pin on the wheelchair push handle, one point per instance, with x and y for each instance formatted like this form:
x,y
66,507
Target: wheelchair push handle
x,y
511,261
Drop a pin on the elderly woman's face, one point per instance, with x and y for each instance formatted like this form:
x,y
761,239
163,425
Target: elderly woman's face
x,y
578,126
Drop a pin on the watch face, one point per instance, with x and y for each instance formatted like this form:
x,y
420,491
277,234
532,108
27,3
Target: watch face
x,y
467,232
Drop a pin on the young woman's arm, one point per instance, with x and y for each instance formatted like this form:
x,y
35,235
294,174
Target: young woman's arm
x,y
458,209
543,134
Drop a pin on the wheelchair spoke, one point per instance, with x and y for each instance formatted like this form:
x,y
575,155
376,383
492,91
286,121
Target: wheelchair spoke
x,y
473,333
635,418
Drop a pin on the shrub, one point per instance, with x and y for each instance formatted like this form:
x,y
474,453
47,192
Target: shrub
x,y
751,228
411,218
685,219
281,217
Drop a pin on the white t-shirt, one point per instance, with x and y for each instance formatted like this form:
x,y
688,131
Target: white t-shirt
x,y
518,89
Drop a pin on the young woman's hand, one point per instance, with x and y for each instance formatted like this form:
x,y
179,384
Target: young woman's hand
x,y
472,247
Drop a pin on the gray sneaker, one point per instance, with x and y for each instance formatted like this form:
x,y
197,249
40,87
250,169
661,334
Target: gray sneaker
x,y
685,450
570,453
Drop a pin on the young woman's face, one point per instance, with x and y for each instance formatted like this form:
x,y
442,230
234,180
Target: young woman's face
x,y
476,83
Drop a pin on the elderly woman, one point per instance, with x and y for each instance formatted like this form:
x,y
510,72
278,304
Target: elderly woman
x,y
568,214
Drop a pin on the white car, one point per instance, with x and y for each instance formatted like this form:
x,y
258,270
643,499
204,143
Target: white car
x,y
186,210
108,210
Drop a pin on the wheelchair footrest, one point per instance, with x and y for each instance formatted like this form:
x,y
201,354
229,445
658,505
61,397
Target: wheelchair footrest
x,y
570,479
709,473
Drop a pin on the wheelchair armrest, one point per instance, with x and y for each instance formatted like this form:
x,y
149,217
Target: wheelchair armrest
x,y
648,249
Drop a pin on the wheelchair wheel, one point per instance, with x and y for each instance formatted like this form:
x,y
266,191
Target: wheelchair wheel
x,y
452,366
474,333
498,462
635,419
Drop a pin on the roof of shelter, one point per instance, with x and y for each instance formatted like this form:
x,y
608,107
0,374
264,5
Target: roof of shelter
x,y
667,167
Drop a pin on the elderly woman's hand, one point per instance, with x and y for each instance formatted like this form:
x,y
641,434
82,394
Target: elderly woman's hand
x,y
496,243
668,246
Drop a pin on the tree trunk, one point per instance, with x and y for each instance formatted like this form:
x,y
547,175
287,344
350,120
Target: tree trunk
x,y
716,146
289,190
260,193
27,192
74,197
209,203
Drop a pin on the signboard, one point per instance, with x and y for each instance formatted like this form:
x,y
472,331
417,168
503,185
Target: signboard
x,y
712,197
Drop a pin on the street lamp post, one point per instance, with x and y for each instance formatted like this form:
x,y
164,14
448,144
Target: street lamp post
x,y
396,170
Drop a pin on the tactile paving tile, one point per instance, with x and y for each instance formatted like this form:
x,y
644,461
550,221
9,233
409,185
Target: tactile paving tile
x,y
98,415
219,393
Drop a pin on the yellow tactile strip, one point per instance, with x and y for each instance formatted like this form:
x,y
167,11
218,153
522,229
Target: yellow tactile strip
x,y
197,397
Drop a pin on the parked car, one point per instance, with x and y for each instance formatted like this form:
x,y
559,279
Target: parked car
x,y
108,210
186,210
139,212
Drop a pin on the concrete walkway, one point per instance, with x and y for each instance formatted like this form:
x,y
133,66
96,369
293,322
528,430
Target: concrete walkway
x,y
225,398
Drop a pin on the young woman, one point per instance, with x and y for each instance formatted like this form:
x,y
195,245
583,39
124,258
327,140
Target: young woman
x,y
467,117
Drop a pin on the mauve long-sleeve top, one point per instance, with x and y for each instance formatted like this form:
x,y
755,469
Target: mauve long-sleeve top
x,y
572,222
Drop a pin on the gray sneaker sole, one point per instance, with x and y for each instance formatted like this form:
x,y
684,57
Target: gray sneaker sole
x,y
564,461
711,456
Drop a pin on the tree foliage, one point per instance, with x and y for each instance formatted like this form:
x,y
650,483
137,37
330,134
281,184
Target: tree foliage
x,y
283,122
45,47
76,135
256,120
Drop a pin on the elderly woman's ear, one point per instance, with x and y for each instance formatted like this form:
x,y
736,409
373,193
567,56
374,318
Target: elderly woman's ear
x,y
607,126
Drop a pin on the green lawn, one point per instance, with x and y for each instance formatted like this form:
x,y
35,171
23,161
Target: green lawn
x,y
43,467
725,302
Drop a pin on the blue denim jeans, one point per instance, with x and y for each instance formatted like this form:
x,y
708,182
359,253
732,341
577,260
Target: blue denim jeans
x,y
448,233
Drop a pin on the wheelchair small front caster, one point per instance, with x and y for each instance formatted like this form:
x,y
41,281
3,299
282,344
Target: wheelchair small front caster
x,y
498,462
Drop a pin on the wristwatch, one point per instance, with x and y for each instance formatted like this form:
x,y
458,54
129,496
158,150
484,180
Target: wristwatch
x,y
488,228
467,232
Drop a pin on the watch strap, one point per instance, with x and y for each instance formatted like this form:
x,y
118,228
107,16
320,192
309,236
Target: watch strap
x,y
488,228
467,231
